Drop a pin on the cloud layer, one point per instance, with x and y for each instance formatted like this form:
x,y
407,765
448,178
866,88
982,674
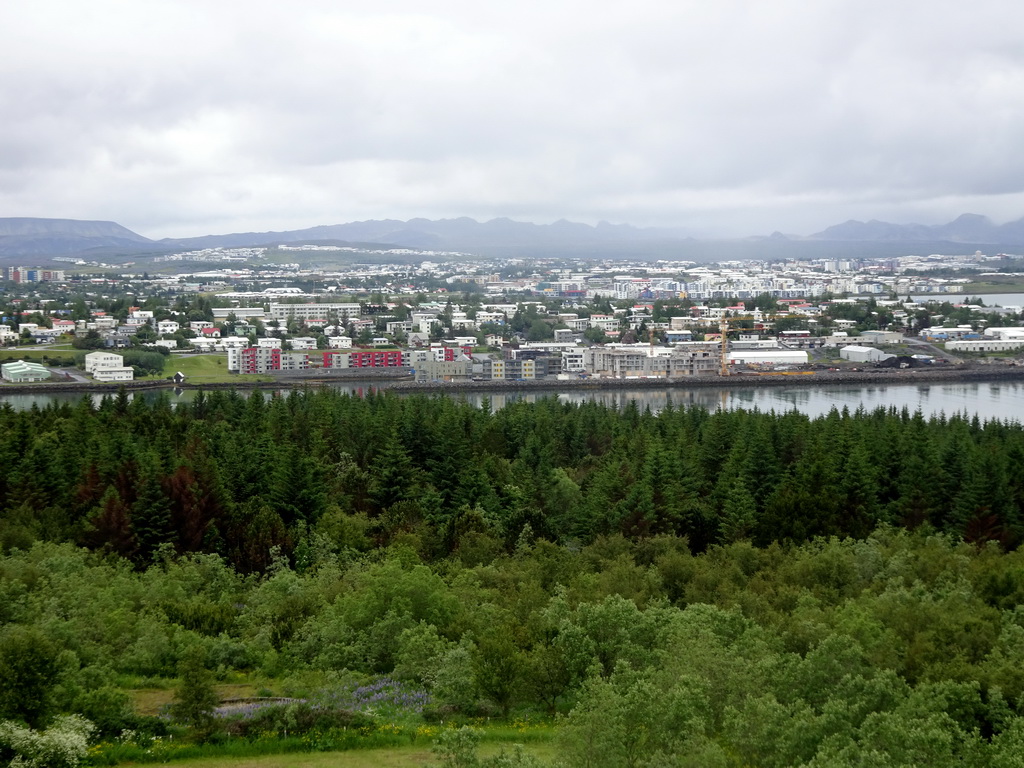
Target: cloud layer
x,y
184,117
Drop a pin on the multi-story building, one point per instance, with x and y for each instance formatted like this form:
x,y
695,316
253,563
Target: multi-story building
x,y
257,360
32,275
520,369
376,358
305,312
114,374
662,362
444,370
294,361
97,360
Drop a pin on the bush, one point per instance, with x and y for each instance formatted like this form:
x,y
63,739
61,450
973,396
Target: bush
x,y
146,361
293,718
62,745
109,709
195,699
29,670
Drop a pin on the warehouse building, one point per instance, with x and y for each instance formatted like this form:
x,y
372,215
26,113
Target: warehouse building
x,y
22,371
856,353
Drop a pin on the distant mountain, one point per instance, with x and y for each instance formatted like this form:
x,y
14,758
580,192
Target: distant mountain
x,y
462,234
35,238
54,237
968,228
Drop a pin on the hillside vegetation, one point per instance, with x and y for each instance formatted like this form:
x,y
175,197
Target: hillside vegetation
x,y
683,589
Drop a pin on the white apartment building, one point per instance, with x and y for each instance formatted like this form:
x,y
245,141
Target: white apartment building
x,y
114,374
303,312
96,360
139,317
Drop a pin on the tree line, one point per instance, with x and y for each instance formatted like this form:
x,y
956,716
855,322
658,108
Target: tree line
x,y
240,476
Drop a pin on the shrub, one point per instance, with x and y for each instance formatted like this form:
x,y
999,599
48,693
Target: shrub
x,y
292,718
62,745
195,699
109,709
29,670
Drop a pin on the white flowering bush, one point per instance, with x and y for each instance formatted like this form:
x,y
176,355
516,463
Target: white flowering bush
x,y
62,745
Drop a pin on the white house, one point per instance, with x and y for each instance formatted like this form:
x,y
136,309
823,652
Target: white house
x,y
167,327
96,360
114,374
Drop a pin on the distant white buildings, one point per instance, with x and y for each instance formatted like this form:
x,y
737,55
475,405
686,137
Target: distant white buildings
x,y
106,366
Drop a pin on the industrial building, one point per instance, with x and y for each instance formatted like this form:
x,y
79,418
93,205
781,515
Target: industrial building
x,y
23,370
767,357
856,353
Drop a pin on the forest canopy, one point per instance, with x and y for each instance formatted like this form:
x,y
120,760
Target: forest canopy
x,y
239,476
682,588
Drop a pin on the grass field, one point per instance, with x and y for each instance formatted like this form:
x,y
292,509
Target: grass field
x,y
9,354
204,369
992,286
413,756
152,701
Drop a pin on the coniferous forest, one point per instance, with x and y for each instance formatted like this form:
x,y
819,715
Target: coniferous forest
x,y
686,588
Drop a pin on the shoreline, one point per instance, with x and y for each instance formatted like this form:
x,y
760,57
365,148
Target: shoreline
x,y
402,383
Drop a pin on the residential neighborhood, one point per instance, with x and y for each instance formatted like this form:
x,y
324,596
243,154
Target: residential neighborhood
x,y
511,320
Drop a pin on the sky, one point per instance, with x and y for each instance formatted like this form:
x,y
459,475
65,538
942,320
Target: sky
x,y
727,118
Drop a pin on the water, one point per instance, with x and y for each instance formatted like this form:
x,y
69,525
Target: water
x,y
1004,400
988,299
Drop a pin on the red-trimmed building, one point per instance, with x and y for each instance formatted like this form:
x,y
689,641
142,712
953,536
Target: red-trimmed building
x,y
259,360
376,358
454,353
369,358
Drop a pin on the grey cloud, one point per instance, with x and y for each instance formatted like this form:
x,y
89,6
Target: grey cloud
x,y
734,117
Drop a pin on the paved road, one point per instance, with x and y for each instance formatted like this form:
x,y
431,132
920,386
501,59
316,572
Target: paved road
x,y
68,374
938,352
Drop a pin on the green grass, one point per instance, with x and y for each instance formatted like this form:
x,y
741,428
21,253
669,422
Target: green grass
x,y
10,354
409,756
980,288
153,701
392,757
204,369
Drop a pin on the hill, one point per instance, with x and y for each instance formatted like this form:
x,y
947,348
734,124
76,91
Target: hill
x,y
23,238
51,237
967,228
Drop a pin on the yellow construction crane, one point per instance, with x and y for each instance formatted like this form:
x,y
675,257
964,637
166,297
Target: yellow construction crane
x,y
723,363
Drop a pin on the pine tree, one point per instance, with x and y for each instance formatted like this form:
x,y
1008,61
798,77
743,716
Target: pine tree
x,y
151,512
110,527
739,513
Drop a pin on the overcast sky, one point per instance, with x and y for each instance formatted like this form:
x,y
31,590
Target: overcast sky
x,y
725,117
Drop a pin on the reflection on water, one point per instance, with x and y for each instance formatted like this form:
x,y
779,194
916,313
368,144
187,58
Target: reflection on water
x,y
1004,400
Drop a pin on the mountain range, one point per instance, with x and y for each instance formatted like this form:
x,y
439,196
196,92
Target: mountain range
x,y
22,238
